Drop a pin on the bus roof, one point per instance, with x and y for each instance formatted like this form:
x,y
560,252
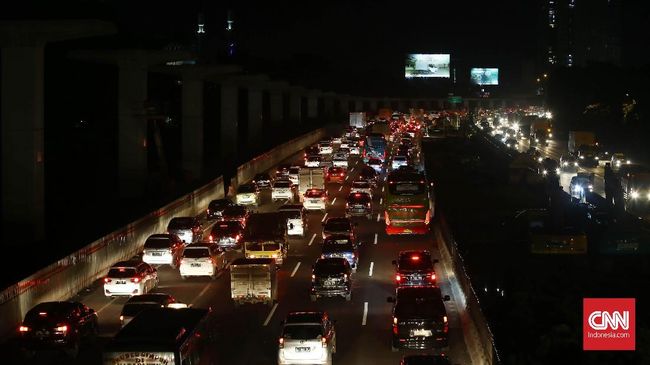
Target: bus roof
x,y
160,327
405,175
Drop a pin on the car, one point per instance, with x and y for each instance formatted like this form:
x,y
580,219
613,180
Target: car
x,y
345,143
325,147
188,229
511,143
296,219
294,175
342,246
227,234
216,207
399,161
336,175
338,226
419,318
345,151
129,278
405,151
369,175
340,160
262,180
580,184
236,213
361,186
311,150
62,326
358,204
425,359
202,259
306,338
618,159
248,194
376,164
162,249
336,140
312,161
316,199
414,267
355,150
568,162
331,277
282,171
550,167
138,303
282,189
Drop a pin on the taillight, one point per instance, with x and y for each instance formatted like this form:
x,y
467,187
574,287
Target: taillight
x,y
432,276
24,329
238,237
342,174
313,277
398,278
281,342
135,279
61,328
107,280
121,319
323,341
345,277
446,327
386,218
211,238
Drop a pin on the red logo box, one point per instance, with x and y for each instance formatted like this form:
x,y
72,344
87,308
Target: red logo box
x,y
609,324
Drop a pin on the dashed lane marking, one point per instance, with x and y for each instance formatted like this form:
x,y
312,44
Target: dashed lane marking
x,y
324,217
297,266
312,239
365,313
376,235
334,201
372,266
268,318
378,217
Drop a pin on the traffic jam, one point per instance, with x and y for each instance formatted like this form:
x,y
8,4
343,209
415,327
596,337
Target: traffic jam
x,y
330,257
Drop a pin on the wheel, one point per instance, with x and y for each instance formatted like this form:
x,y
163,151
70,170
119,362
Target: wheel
x,y
312,298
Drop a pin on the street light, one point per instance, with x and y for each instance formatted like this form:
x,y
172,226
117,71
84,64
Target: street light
x,y
545,75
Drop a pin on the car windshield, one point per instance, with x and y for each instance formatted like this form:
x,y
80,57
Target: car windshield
x,y
226,227
314,193
374,162
301,331
282,184
181,223
121,272
261,177
257,246
196,252
219,204
313,159
246,189
294,170
400,159
406,188
361,185
48,312
157,242
330,265
234,211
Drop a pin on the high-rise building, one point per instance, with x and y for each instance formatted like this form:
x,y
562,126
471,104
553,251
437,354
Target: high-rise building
x,y
576,32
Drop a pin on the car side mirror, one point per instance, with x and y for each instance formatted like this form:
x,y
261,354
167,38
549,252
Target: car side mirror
x,y
394,262
446,298
390,300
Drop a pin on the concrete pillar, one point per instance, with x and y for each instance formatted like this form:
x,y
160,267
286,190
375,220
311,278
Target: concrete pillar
x,y
23,204
402,106
373,105
229,113
192,125
358,105
132,125
312,107
295,112
255,118
441,104
276,101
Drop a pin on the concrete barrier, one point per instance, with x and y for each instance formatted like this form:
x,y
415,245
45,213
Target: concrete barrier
x,y
68,276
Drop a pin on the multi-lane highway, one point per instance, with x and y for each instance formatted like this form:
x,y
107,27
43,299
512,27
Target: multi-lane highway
x,y
249,334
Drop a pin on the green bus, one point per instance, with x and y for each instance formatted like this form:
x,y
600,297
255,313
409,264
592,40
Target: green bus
x,y
409,202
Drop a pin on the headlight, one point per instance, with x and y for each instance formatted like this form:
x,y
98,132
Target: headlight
x,y
591,187
575,164
544,172
628,161
634,194
557,171
596,158
618,163
565,163
537,140
539,159
582,157
577,188
550,135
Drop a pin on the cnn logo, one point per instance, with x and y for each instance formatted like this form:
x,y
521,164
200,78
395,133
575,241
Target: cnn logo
x,y
609,324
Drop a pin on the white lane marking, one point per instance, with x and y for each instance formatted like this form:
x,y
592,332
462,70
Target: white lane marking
x,y
372,266
334,201
365,313
324,217
105,305
297,265
347,177
381,200
268,318
200,294
382,188
378,217
311,240
341,188
352,169
376,238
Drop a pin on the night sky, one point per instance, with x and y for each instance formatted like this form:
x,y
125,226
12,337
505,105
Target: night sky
x,y
354,46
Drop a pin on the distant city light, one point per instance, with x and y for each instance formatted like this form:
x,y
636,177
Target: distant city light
x,y
201,29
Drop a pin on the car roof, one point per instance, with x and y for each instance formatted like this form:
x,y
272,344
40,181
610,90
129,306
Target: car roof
x,y
149,297
337,219
199,245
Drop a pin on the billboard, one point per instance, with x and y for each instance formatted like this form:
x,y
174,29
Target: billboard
x,y
484,76
426,65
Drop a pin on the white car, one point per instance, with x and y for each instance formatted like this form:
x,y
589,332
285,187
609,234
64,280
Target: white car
x,y
325,148
361,186
339,160
129,278
282,190
315,199
618,159
345,143
399,161
307,338
248,194
202,259
294,175
355,150
162,249
296,219
312,161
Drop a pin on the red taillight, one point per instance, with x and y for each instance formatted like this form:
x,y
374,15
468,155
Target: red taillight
x,y
281,342
398,277
24,329
342,174
324,341
135,280
395,329
415,258
107,280
432,276
211,238
61,328
238,237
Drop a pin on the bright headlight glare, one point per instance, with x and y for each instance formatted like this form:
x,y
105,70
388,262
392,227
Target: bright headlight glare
x,y
634,194
557,171
565,163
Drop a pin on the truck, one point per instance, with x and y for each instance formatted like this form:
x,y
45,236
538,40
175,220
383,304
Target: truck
x,y
541,131
253,281
358,120
580,138
266,236
310,179
635,183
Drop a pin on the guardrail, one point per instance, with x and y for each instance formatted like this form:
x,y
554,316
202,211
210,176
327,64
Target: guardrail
x,y
476,331
70,275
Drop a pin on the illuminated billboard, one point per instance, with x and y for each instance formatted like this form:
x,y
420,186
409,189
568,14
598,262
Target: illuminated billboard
x,y
426,65
484,76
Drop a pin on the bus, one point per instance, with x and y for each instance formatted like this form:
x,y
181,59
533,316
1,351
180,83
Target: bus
x,y
375,147
409,202
165,336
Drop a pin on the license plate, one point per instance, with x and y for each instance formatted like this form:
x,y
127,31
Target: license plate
x,y
156,254
408,231
195,265
421,333
120,282
314,201
303,349
329,283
